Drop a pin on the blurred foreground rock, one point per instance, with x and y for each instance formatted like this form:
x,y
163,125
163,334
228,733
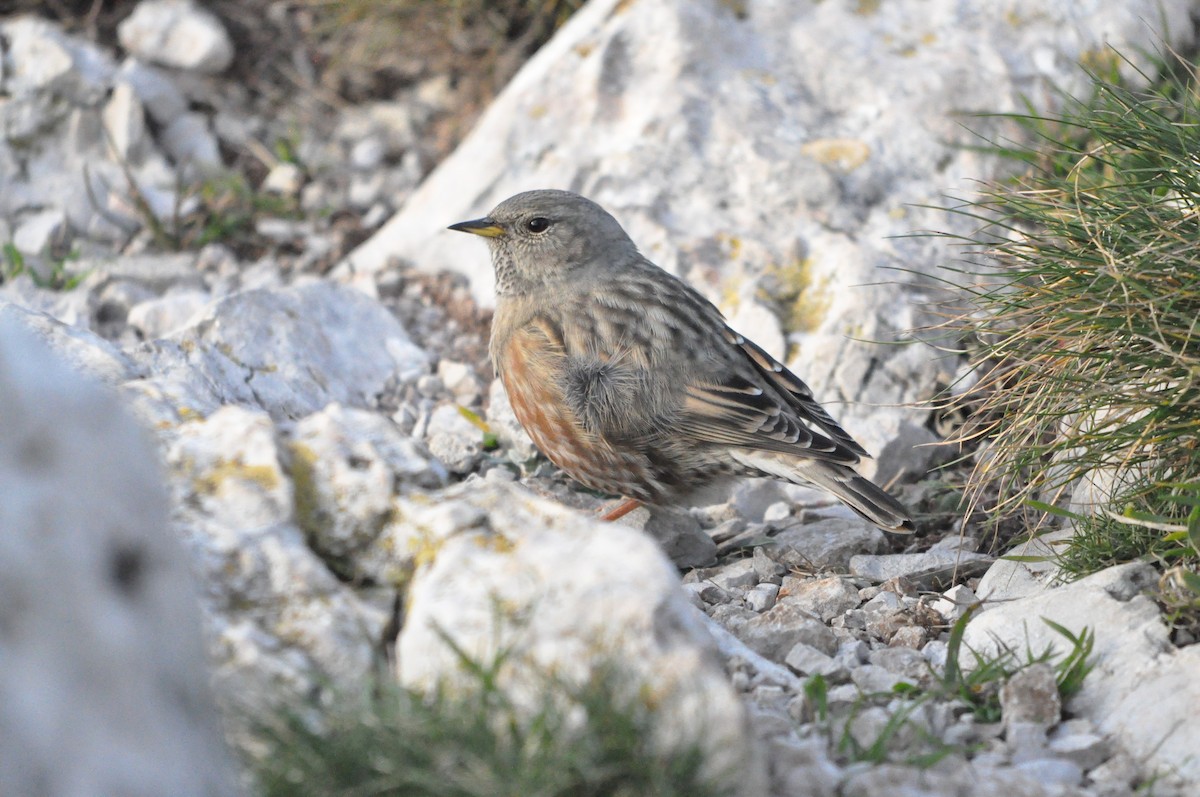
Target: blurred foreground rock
x,y
506,576
103,680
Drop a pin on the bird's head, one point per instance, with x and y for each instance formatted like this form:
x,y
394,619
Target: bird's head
x,y
541,237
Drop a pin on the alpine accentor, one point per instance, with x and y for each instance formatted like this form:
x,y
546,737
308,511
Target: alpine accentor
x,y
631,382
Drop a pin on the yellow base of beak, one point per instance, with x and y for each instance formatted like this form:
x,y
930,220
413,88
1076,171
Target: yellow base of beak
x,y
485,227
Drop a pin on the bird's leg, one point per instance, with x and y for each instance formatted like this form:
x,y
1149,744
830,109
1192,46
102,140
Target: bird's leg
x,y
622,509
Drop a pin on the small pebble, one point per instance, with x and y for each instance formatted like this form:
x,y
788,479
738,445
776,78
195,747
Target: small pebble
x,y
762,597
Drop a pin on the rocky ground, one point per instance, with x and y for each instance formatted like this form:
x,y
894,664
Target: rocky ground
x,y
185,196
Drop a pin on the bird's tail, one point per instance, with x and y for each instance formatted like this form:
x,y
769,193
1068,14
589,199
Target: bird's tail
x,y
842,481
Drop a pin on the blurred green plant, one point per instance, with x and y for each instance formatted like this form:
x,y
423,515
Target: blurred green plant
x,y
1083,324
397,742
969,678
57,278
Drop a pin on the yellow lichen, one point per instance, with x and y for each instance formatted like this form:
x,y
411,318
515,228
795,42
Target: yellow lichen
x,y
734,245
423,547
305,503
843,154
497,543
803,296
210,482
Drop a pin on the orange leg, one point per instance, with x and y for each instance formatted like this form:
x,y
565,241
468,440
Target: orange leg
x,y
622,509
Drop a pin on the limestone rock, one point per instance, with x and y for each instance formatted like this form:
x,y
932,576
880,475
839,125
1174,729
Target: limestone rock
x,y
177,33
103,685
282,624
290,351
79,348
562,593
453,439
162,315
348,467
1135,664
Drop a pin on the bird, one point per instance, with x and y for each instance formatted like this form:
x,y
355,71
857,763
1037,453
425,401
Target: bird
x,y
630,381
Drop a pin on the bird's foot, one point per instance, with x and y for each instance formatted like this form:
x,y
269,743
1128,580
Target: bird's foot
x,y
622,509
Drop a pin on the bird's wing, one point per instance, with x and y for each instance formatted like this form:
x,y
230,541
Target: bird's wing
x,y
774,412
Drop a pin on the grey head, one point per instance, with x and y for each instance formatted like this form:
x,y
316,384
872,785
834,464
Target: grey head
x,y
542,237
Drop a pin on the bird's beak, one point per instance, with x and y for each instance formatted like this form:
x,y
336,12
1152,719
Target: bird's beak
x,y
485,227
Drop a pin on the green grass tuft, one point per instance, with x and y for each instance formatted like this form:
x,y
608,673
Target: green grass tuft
x,y
396,742
1084,316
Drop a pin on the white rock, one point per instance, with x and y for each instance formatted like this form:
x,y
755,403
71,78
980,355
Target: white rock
x,y
677,533
283,230
1054,771
178,34
157,92
348,467
954,602
290,351
102,647
804,767
367,154
282,625
767,568
1087,750
762,597
777,511
1135,664
377,214
807,660
460,379
884,601
42,60
874,679
935,652
38,57
562,593
826,542
365,189
738,574
116,298
774,632
1025,739
125,122
904,661
1027,569
36,234
190,143
825,598
430,386
503,423
82,350
284,178
159,271
162,315
751,498
928,569
453,439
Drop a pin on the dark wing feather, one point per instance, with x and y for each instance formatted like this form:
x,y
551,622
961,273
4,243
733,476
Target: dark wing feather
x,y
774,415
799,394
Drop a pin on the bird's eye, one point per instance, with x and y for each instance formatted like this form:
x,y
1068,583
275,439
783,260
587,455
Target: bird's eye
x,y
537,224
